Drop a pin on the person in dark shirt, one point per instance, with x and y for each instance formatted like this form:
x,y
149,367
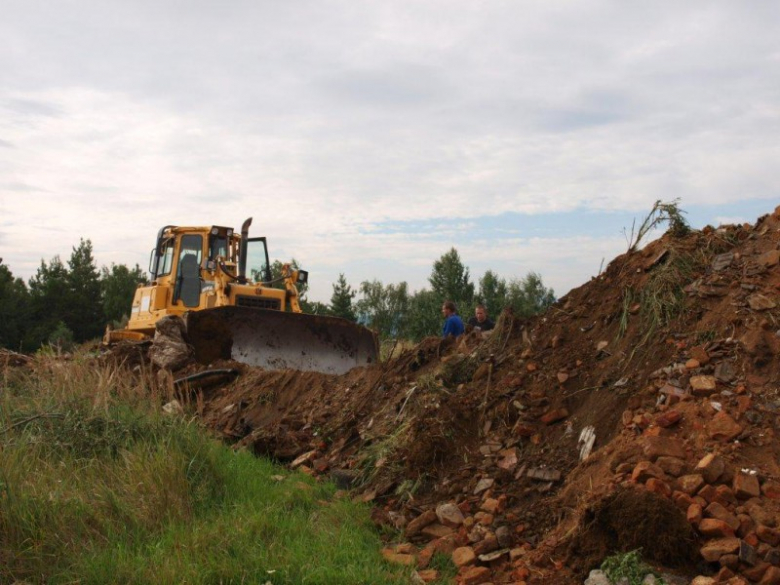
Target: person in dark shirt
x,y
480,320
453,324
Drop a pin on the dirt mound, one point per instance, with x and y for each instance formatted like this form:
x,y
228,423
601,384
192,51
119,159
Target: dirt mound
x,y
639,411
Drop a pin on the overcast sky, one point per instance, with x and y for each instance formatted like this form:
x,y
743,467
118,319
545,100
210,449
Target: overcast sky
x,y
371,137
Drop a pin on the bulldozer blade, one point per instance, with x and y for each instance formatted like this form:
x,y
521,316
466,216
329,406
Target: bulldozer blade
x,y
277,340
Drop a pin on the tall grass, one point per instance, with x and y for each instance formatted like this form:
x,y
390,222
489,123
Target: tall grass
x,y
97,486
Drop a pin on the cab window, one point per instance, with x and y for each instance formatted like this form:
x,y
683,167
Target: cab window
x,y
191,244
166,258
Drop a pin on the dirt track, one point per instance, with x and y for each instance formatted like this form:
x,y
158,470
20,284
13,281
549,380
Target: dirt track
x,y
669,355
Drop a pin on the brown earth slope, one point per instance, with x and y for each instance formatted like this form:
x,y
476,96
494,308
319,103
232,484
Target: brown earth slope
x,y
480,449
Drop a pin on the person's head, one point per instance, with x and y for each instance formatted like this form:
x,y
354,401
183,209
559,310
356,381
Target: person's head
x,y
480,313
448,308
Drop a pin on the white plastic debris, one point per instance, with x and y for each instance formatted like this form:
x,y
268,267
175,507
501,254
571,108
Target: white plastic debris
x,y
586,441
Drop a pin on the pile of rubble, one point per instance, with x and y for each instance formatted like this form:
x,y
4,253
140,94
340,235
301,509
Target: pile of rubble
x,y
639,412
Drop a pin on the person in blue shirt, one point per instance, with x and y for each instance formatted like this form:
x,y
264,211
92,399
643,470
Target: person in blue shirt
x,y
453,325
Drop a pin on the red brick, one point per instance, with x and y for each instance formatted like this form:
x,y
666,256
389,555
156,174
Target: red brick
x,y
690,484
714,528
644,470
710,467
746,486
723,428
694,514
655,447
463,556
474,575
768,535
771,577
714,549
658,486
716,510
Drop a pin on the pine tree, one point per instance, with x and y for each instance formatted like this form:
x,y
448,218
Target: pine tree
x,y
341,300
14,307
85,317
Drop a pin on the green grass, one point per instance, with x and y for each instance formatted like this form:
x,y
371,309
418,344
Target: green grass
x,y
97,486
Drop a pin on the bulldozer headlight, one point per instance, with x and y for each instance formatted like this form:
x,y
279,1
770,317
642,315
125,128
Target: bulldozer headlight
x,y
303,277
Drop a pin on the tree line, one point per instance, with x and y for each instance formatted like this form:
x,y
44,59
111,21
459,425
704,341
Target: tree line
x,y
72,302
395,312
64,303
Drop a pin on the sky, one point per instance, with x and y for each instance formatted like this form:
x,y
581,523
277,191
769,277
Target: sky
x,y
369,138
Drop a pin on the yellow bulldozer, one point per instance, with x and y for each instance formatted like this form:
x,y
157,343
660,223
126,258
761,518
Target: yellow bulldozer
x,y
220,283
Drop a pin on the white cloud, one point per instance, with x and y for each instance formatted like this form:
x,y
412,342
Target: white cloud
x,y
324,121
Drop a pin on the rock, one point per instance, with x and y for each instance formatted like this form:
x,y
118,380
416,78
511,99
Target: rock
x,y
714,549
597,577
415,526
644,470
768,535
771,577
483,485
544,474
747,553
722,261
398,558
173,407
723,428
672,465
716,510
463,556
655,447
699,354
449,515
474,576
694,514
773,557
668,419
554,416
771,490
724,372
504,536
508,459
759,302
436,530
169,351
690,484
714,528
711,467
746,486
760,515
492,556
756,572
769,258
428,575
703,385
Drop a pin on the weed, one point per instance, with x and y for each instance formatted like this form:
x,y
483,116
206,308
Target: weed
x,y
628,302
661,212
663,299
629,567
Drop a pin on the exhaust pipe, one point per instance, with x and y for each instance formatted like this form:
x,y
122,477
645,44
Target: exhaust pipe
x,y
243,251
